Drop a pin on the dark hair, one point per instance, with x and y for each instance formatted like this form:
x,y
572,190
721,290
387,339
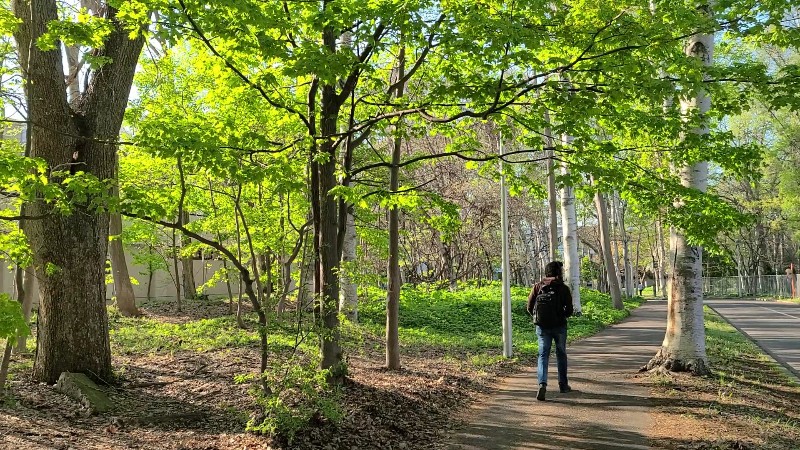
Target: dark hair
x,y
554,269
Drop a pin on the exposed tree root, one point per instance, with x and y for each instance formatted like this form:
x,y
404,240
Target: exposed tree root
x,y
663,363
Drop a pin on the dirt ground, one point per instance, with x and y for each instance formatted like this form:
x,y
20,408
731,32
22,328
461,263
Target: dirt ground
x,y
188,400
722,413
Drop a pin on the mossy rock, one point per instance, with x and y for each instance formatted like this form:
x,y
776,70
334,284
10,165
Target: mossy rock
x,y
79,387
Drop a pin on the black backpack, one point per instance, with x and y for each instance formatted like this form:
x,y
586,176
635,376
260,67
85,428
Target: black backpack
x,y
547,311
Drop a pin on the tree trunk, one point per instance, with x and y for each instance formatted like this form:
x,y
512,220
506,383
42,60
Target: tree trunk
x,y
395,283
187,263
176,279
29,293
552,206
626,257
639,280
220,240
569,228
684,346
126,299
327,223
348,303
527,248
306,288
663,261
71,250
4,363
605,244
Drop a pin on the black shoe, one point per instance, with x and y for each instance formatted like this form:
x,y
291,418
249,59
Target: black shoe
x,y
564,388
542,391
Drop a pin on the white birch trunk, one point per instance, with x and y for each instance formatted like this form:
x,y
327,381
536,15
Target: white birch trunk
x,y
348,301
551,192
569,228
684,349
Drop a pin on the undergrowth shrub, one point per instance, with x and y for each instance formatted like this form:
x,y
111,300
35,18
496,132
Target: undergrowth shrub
x,y
300,396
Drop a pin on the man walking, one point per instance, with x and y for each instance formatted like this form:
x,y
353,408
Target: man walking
x,y
550,303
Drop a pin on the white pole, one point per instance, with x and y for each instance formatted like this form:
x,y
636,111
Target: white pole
x,y
506,271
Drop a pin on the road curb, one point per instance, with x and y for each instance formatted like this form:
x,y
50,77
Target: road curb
x,y
792,374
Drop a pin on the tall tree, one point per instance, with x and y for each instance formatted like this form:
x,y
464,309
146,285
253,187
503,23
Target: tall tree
x,y
605,245
69,251
395,283
569,233
626,257
552,200
126,299
684,347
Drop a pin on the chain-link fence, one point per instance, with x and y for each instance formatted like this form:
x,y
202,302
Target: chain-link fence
x,y
748,286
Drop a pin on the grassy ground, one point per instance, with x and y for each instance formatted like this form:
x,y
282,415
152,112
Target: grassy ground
x,y
748,403
176,371
468,320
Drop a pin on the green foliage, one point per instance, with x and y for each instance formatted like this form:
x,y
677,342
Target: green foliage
x,y
467,320
14,246
8,22
143,335
300,394
590,270
86,29
12,321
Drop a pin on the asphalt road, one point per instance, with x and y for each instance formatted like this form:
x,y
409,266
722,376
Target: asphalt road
x,y
774,326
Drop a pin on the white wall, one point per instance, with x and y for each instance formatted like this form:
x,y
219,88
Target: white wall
x,y
7,280
163,286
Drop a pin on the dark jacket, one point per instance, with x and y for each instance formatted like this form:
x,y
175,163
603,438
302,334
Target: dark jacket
x,y
562,294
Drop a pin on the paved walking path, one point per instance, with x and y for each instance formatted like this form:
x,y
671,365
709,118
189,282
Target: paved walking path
x,y
605,411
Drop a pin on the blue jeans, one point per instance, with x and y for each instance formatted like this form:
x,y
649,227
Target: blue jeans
x,y
546,338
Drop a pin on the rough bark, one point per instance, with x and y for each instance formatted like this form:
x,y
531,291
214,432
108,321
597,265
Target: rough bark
x,y
605,244
71,250
327,223
569,229
684,347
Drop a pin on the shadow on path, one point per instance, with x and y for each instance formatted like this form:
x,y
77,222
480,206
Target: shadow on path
x,y
606,410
